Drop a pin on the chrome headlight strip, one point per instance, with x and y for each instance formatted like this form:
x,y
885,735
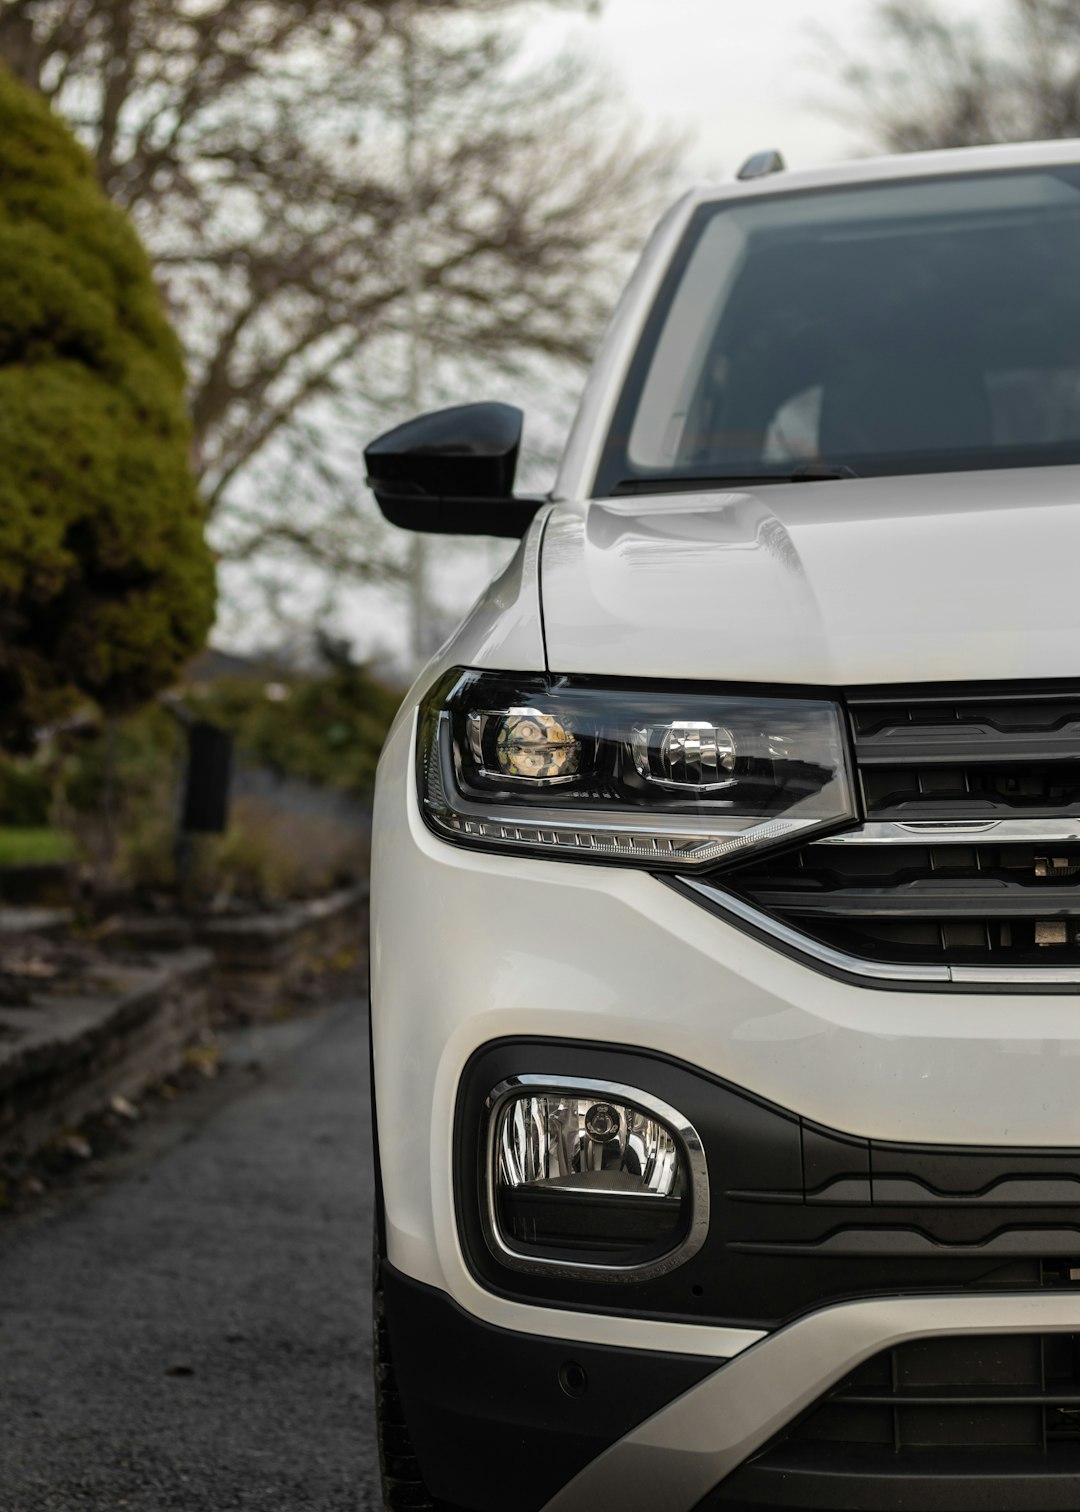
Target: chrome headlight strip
x,y
959,832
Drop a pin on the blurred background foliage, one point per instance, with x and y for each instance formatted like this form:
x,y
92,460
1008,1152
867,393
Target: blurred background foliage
x,y
321,186
323,727
106,583
106,793
936,78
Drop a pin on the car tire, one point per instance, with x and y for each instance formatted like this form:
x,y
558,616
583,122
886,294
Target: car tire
x,y
403,1488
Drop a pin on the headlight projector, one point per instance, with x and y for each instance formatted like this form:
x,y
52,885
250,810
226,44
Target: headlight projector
x,y
652,776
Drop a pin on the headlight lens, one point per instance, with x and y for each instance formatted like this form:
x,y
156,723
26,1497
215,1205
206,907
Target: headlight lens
x,y
594,1177
656,777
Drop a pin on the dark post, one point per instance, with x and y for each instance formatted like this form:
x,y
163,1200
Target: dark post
x,y
209,769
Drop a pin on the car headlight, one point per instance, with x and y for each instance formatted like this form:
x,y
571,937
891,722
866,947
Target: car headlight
x,y
591,1178
600,771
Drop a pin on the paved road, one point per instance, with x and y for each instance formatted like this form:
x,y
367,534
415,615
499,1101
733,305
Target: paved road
x,y
191,1331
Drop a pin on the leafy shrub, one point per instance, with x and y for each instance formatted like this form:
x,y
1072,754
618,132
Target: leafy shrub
x,y
266,856
327,728
106,582
25,793
35,847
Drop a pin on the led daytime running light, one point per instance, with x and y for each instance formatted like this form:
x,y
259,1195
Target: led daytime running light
x,y
663,778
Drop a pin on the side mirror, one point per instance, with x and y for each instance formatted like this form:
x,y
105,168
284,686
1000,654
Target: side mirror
x,y
452,472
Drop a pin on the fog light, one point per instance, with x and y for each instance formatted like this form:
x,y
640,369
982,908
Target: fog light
x,y
594,1176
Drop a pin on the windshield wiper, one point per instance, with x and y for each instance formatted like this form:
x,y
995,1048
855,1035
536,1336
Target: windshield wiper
x,y
810,472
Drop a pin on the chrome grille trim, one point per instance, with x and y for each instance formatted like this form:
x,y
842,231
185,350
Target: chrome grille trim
x,y
881,971
959,832
826,954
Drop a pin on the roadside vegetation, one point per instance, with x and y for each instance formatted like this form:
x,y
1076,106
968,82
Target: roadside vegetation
x,y
314,185
106,582
38,846
106,794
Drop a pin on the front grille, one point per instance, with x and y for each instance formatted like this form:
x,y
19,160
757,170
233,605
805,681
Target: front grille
x,y
966,756
970,854
942,1425
994,1391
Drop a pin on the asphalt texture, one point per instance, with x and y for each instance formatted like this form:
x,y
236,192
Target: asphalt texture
x,y
188,1325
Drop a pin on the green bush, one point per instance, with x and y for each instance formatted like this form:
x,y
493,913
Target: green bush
x,y
106,582
25,793
268,856
325,727
34,847
329,729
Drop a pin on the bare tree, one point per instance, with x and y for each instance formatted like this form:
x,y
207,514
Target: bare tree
x,y
936,82
258,145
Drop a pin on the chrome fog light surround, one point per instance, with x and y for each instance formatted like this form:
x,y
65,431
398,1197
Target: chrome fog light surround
x,y
603,1102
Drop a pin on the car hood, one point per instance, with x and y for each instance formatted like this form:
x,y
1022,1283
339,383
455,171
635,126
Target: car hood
x,y
955,577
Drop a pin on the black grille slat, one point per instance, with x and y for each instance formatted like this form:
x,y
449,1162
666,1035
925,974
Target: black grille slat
x,y
919,903
958,1396
968,755
1005,900
1006,706
954,1392
946,757
991,793
963,744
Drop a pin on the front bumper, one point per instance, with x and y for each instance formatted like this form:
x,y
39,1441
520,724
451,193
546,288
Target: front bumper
x,y
682,1457
494,1424
502,1420
470,949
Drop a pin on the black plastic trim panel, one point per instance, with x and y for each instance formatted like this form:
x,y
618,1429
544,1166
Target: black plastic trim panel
x,y
502,1420
945,1424
802,1216
865,1478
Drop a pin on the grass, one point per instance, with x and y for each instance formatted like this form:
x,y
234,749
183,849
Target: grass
x,y
32,847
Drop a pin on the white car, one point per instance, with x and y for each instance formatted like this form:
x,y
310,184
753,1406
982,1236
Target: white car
x,y
725,969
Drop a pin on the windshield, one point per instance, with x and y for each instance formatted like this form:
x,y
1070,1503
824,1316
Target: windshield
x,y
920,326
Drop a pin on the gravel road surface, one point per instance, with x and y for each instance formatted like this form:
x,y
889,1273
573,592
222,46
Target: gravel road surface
x,y
187,1326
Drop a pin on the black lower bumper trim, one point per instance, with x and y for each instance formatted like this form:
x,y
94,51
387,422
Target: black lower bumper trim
x,y
868,1478
503,1420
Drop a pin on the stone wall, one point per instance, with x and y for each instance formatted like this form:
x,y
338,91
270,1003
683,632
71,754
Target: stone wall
x,y
62,1058
262,960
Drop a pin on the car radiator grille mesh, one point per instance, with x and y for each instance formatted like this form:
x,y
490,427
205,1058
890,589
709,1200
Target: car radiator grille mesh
x,y
970,853
992,1392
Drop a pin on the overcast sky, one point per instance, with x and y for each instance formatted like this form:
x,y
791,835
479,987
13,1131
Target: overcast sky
x,y
740,75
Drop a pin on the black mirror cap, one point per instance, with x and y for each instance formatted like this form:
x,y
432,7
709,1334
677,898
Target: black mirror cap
x,y
452,472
